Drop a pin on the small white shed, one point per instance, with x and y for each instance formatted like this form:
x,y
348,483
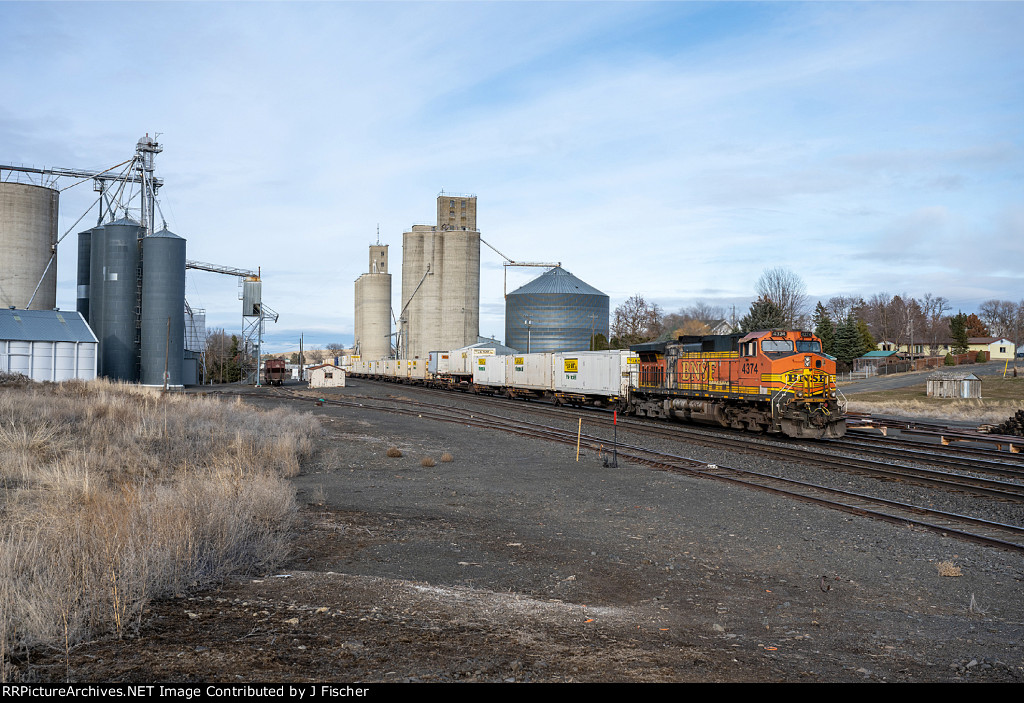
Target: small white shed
x,y
47,345
326,376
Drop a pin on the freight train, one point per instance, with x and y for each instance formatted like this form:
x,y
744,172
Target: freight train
x,y
774,381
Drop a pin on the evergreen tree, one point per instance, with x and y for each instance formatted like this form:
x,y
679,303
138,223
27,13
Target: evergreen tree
x,y
763,315
825,329
867,342
958,331
849,344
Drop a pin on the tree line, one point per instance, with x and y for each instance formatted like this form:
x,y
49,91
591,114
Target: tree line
x,y
848,326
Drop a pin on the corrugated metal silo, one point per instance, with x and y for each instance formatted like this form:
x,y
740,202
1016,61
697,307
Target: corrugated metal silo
x,y
562,312
28,237
97,251
162,324
252,297
120,276
195,331
84,265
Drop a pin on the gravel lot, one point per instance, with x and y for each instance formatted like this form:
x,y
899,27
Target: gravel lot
x,y
515,562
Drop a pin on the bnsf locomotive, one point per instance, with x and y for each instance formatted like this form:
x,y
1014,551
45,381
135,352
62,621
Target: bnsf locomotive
x,y
775,381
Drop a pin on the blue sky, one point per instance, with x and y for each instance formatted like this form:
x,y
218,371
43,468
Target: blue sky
x,y
670,149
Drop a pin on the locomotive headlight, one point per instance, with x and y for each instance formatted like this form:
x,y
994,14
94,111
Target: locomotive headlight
x,y
807,361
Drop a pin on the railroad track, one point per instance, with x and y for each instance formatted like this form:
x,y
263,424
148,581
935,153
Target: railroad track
x,y
983,477
966,527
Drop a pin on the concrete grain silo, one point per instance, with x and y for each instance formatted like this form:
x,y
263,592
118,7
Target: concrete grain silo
x,y
162,323
441,280
28,240
555,312
373,308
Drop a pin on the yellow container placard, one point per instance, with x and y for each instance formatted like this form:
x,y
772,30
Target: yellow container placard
x,y
571,365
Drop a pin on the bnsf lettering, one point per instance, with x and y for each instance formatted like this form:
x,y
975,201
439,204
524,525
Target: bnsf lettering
x,y
703,369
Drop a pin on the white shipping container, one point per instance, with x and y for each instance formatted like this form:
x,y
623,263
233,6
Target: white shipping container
x,y
530,371
489,371
603,373
463,360
415,369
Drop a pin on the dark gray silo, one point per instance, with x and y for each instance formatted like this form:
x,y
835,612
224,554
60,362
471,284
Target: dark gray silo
x,y
119,275
555,312
163,299
84,265
97,251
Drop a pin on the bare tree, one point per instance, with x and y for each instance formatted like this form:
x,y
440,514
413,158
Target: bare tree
x,y
786,290
1000,317
839,307
336,349
636,321
315,355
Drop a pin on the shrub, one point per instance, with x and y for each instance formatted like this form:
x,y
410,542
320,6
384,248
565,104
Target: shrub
x,y
116,494
427,462
394,452
949,360
447,457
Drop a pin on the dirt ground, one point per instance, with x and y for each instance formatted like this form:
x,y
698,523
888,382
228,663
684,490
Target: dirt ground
x,y
516,563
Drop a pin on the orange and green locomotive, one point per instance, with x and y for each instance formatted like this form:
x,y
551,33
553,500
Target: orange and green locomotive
x,y
776,381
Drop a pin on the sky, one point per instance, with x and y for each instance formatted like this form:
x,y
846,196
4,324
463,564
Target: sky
x,y
669,149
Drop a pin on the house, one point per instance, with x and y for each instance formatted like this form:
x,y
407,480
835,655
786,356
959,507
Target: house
x,y
47,345
869,363
326,376
997,347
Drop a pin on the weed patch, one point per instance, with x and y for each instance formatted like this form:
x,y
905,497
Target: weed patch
x,y
117,494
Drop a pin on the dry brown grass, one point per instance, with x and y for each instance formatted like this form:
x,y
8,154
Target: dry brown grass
x,y
427,462
948,568
1001,398
394,452
447,458
116,494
